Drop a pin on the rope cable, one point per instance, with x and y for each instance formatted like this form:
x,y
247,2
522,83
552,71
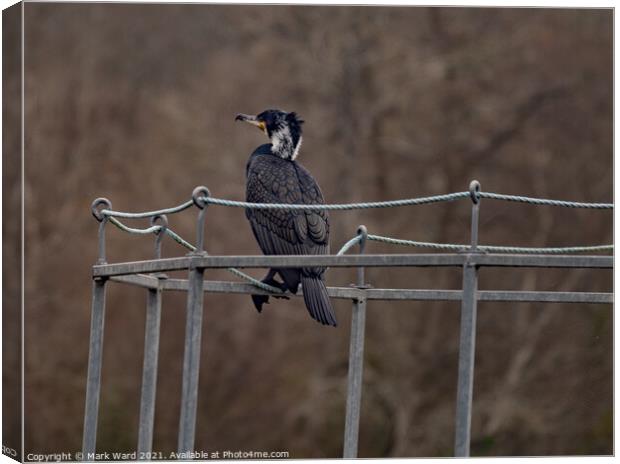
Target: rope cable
x,y
112,215
378,238
180,240
341,206
131,230
146,214
492,248
544,201
357,206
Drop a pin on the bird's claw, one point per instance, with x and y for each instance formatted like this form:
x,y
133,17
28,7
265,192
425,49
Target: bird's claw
x,y
259,301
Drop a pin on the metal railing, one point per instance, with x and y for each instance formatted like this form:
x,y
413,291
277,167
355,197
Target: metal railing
x,y
149,275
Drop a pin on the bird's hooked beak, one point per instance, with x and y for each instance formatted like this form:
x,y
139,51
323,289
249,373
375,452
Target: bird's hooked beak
x,y
252,120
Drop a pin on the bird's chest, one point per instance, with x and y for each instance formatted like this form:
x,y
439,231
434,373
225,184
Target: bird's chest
x,y
277,176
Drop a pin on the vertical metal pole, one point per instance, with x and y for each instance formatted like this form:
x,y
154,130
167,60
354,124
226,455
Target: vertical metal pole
x,y
193,329
149,372
93,382
95,349
191,361
467,338
151,353
356,363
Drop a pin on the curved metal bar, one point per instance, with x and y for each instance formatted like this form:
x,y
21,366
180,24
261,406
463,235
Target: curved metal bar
x,y
198,197
159,235
474,191
103,219
94,207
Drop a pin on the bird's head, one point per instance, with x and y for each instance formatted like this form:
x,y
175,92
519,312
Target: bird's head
x,y
282,128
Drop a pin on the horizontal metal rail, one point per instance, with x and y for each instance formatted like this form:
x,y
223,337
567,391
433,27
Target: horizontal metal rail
x,y
351,293
369,260
546,297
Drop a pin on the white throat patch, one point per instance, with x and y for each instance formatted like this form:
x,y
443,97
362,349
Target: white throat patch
x,y
282,144
296,151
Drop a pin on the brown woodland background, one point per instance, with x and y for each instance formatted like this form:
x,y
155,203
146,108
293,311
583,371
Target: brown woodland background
x,y
136,103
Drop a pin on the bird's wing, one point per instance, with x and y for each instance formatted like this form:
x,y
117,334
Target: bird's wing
x,y
317,221
273,180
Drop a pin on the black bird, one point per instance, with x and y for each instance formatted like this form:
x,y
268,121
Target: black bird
x,y
273,176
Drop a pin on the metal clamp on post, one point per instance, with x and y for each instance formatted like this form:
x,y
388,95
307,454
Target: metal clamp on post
x,y
162,221
103,219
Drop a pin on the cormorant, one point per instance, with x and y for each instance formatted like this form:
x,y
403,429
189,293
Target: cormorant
x,y
273,176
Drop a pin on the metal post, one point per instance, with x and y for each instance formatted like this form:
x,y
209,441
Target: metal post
x,y
149,373
193,329
151,353
93,382
467,337
95,350
356,363
191,361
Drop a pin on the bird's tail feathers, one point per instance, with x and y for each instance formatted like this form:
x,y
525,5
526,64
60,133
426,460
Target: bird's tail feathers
x,y
317,300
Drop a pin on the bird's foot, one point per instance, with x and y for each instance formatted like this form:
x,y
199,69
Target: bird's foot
x,y
260,300
281,286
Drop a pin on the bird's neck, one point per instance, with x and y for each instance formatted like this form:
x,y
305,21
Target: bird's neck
x,y
284,144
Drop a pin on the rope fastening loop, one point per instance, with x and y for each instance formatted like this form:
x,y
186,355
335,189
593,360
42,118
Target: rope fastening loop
x,y
200,196
96,211
160,233
164,223
474,191
362,233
